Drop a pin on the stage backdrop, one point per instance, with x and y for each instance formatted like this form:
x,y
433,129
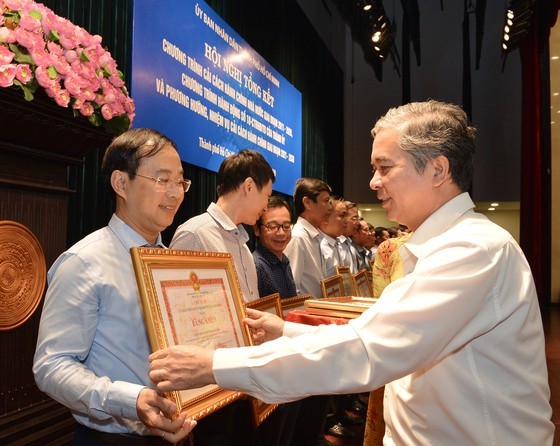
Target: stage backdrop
x,y
198,82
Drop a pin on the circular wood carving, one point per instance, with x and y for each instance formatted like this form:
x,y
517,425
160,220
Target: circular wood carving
x,y
23,274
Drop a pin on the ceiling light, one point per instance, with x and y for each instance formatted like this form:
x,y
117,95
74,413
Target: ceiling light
x,y
491,209
494,204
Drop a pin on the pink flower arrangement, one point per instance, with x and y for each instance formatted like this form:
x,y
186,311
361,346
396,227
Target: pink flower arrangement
x,y
39,48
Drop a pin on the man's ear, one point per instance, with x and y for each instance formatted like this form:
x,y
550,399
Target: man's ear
x,y
440,165
257,230
119,182
305,201
248,184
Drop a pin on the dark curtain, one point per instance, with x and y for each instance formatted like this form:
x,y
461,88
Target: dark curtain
x,y
535,149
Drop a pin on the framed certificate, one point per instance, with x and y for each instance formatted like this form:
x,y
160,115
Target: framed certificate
x,y
347,280
363,284
332,286
293,303
192,297
269,304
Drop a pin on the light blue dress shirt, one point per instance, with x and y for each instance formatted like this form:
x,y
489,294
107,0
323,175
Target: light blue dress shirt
x,y
93,347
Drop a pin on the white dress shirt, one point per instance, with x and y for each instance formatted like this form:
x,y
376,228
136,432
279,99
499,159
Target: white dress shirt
x,y
458,342
331,256
93,347
215,232
304,252
346,254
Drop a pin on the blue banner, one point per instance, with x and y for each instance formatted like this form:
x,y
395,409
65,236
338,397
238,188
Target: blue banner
x,y
198,82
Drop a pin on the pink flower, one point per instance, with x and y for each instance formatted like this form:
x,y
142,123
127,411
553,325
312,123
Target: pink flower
x,y
7,74
62,98
71,56
60,64
27,39
106,112
68,62
14,5
44,78
29,23
40,56
6,56
6,35
23,73
86,109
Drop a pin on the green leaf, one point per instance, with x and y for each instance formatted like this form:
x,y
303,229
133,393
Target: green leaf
x,y
52,72
117,124
54,36
35,14
12,16
121,75
106,72
95,119
84,57
21,55
27,93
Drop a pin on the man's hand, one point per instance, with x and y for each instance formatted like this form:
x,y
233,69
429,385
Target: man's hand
x,y
181,367
156,412
264,326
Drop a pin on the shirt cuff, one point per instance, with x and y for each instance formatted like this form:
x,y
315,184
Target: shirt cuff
x,y
123,399
228,367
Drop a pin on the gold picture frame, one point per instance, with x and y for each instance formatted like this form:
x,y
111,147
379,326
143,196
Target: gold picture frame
x,y
363,284
349,307
269,304
293,303
192,297
332,286
348,283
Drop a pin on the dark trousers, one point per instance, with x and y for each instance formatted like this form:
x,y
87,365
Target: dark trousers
x,y
84,436
310,425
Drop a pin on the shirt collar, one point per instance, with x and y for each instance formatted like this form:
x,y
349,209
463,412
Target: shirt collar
x,y
331,241
225,222
128,236
308,227
437,223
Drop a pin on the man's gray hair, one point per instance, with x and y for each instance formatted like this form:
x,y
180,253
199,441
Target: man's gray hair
x,y
429,129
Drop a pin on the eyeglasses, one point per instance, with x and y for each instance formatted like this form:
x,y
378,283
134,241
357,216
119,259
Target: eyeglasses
x,y
275,227
165,184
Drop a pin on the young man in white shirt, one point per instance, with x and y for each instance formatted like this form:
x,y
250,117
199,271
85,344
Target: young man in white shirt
x,y
244,184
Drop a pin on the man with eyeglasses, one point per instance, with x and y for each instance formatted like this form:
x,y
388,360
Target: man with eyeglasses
x,y
274,230
93,346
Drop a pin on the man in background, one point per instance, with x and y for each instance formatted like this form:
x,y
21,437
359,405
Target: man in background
x,y
381,234
274,230
362,241
93,344
332,229
313,207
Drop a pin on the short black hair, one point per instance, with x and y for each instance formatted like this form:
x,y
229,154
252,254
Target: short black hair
x,y
308,187
274,201
238,167
126,152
